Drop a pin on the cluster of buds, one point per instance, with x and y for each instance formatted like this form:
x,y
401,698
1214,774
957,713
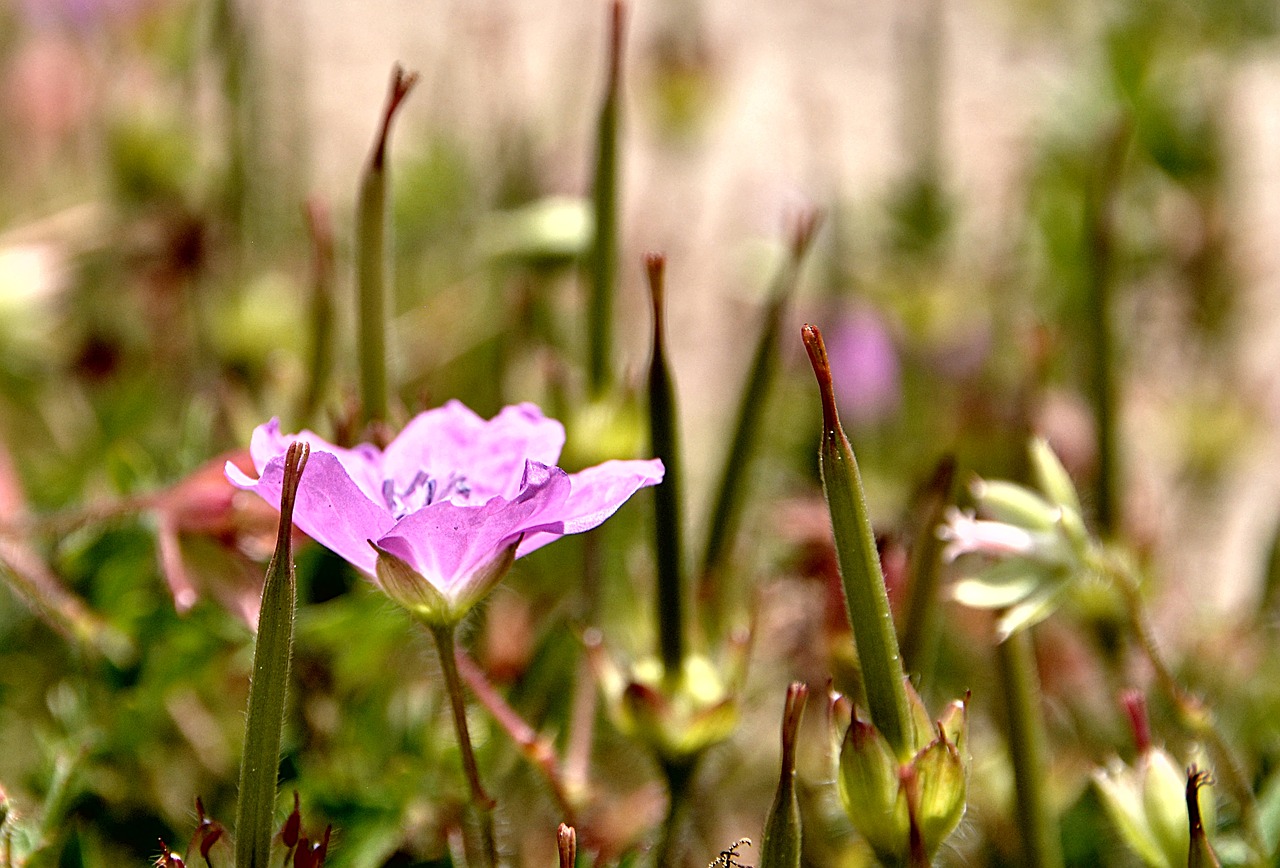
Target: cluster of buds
x,y
904,807
210,841
1160,811
678,717
1029,546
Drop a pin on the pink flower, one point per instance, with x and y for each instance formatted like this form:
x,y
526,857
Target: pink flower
x,y
965,534
436,518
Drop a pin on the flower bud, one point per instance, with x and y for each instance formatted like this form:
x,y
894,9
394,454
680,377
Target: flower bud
x,y
679,718
1013,504
869,789
1147,803
1052,477
780,847
897,806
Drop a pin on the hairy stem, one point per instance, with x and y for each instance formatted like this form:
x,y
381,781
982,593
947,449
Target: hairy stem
x,y
1016,663
480,800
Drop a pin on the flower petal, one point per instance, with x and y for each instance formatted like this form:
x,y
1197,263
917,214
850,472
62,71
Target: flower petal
x,y
453,440
331,508
363,464
597,493
452,546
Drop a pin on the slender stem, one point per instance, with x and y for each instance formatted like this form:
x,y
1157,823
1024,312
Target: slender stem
x,y
1015,657
259,769
480,800
536,749
320,365
582,721
666,499
920,632
603,257
679,779
373,257
1100,240
726,513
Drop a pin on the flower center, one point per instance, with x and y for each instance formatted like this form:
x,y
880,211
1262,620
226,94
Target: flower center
x,y
421,492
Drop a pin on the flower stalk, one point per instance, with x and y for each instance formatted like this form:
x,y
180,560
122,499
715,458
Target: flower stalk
x,y
481,801
726,513
603,256
373,251
538,751
320,364
666,500
1100,256
255,812
920,632
866,601
1017,672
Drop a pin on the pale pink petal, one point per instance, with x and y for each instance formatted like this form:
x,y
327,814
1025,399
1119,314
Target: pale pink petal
x,y
330,508
597,493
452,441
363,463
449,544
965,534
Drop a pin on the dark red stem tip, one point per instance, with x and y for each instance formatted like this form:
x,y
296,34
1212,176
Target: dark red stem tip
x,y
617,25
822,370
797,694
655,266
401,83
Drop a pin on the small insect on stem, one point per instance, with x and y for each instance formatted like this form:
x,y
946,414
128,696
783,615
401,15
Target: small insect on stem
x,y
729,858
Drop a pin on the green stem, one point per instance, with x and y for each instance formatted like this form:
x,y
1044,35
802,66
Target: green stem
x,y
255,812
679,777
726,514
537,750
920,632
373,257
1015,657
666,499
1100,240
480,800
603,257
320,365
866,601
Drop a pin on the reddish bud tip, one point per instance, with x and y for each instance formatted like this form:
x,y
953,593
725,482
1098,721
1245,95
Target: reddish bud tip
x,y
797,695
567,841
401,83
817,351
292,825
617,27
1135,706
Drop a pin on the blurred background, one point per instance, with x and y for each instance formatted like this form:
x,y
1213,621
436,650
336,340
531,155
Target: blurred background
x,y
992,174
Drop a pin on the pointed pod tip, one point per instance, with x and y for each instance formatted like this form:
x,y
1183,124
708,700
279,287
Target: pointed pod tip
x,y
817,351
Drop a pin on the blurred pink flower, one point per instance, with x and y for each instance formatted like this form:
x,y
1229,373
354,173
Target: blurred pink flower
x,y
864,367
436,518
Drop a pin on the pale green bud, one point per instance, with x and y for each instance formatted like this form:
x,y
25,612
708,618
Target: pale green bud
x,y
1052,477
